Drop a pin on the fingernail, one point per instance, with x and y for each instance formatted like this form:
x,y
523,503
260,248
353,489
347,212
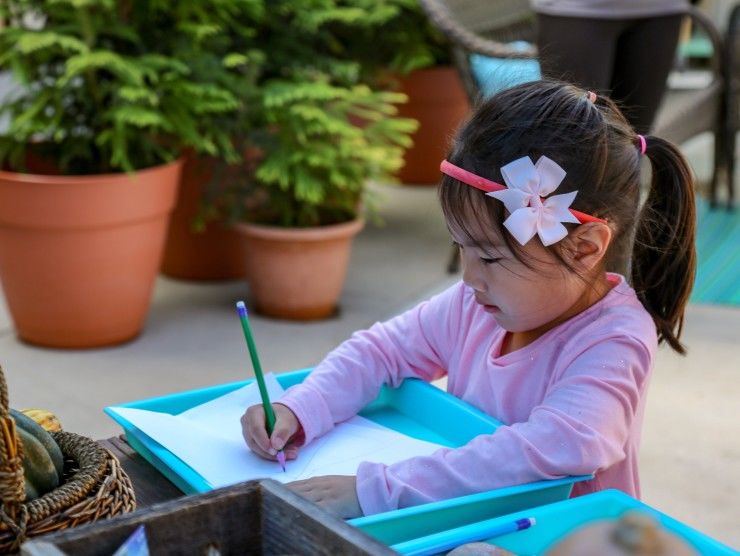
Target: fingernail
x,y
272,451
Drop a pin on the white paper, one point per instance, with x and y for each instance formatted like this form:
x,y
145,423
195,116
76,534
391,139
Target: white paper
x,y
208,438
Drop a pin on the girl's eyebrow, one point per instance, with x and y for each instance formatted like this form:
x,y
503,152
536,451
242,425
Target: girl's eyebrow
x,y
467,241
485,245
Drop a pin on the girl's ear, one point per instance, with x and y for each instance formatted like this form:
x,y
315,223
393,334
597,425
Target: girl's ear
x,y
586,245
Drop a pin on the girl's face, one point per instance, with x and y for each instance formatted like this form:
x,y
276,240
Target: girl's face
x,y
521,298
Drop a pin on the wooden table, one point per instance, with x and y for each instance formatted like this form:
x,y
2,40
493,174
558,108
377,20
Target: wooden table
x,y
150,485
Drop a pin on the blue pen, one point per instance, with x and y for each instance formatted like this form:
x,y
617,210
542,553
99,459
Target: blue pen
x,y
447,540
269,413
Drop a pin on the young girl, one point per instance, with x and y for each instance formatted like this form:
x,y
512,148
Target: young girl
x,y
540,193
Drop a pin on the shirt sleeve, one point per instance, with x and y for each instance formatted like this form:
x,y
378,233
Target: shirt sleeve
x,y
413,344
581,427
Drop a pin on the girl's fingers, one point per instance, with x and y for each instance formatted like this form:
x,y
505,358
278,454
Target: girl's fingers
x,y
255,435
286,426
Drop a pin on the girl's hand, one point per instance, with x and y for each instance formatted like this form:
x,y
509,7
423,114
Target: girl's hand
x,y
337,494
254,430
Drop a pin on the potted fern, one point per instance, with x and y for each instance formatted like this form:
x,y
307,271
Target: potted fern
x,y
91,155
317,133
415,59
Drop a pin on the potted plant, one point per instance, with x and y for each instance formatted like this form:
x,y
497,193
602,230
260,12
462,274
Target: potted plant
x,y
316,136
91,156
196,247
415,59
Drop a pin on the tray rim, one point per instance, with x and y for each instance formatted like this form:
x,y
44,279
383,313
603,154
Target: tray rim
x,y
191,482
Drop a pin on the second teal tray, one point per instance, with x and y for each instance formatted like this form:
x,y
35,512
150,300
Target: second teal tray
x,y
463,516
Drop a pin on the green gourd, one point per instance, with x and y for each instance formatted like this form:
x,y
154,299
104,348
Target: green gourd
x,y
43,462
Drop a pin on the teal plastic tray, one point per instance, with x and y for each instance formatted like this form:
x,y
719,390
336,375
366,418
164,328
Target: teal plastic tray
x,y
554,521
416,408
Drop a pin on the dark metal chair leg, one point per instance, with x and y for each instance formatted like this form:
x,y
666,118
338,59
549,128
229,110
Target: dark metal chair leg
x,y
731,99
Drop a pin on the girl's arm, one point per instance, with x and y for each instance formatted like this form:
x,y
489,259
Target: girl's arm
x,y
582,426
412,344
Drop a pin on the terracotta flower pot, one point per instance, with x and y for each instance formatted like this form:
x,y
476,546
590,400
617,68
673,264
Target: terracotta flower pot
x,y
215,253
438,101
79,254
297,273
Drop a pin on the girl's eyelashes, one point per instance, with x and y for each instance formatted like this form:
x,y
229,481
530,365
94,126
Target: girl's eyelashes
x,y
484,260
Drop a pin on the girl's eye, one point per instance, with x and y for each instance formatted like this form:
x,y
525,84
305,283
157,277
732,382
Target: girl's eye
x,y
485,260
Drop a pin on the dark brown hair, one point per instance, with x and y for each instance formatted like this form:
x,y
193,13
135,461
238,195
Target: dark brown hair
x,y
600,152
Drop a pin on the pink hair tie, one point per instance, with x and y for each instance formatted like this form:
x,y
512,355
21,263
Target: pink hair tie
x,y
643,144
591,96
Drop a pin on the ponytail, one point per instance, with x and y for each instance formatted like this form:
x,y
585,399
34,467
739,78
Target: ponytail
x,y
664,256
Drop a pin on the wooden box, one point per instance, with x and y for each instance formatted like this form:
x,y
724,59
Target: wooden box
x,y
256,517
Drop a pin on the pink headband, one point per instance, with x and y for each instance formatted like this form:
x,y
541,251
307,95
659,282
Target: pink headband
x,y
643,144
489,186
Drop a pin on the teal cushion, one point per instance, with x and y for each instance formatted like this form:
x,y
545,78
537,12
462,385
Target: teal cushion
x,y
496,74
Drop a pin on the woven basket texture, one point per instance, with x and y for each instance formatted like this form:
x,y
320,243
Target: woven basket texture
x,y
94,485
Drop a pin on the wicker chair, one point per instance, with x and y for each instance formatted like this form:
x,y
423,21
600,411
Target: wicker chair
x,y
486,27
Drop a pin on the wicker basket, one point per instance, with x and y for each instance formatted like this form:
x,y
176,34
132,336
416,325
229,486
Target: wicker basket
x,y
94,485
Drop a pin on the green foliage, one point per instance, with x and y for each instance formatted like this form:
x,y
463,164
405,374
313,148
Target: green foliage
x,y
394,35
283,92
122,85
321,128
327,141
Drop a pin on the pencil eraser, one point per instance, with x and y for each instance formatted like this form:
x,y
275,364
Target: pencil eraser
x,y
242,308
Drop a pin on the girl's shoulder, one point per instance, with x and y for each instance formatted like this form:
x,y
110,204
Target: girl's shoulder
x,y
619,316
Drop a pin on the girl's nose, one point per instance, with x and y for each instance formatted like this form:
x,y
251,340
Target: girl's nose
x,y
471,273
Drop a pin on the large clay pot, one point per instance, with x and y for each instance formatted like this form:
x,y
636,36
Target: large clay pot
x,y
297,273
79,254
438,101
213,254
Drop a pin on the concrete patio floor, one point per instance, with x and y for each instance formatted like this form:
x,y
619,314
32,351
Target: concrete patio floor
x,y
690,461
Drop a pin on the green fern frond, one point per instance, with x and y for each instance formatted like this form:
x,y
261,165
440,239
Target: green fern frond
x,y
313,19
280,93
211,99
158,62
235,59
138,116
77,4
138,94
104,60
201,31
26,121
30,42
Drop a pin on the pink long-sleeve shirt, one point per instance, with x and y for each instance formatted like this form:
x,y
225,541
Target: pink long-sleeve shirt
x,y
571,402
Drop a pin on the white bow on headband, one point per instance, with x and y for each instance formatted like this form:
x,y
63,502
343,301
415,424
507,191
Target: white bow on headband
x,y
527,185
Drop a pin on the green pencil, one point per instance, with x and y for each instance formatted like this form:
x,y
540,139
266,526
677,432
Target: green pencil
x,y
269,413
